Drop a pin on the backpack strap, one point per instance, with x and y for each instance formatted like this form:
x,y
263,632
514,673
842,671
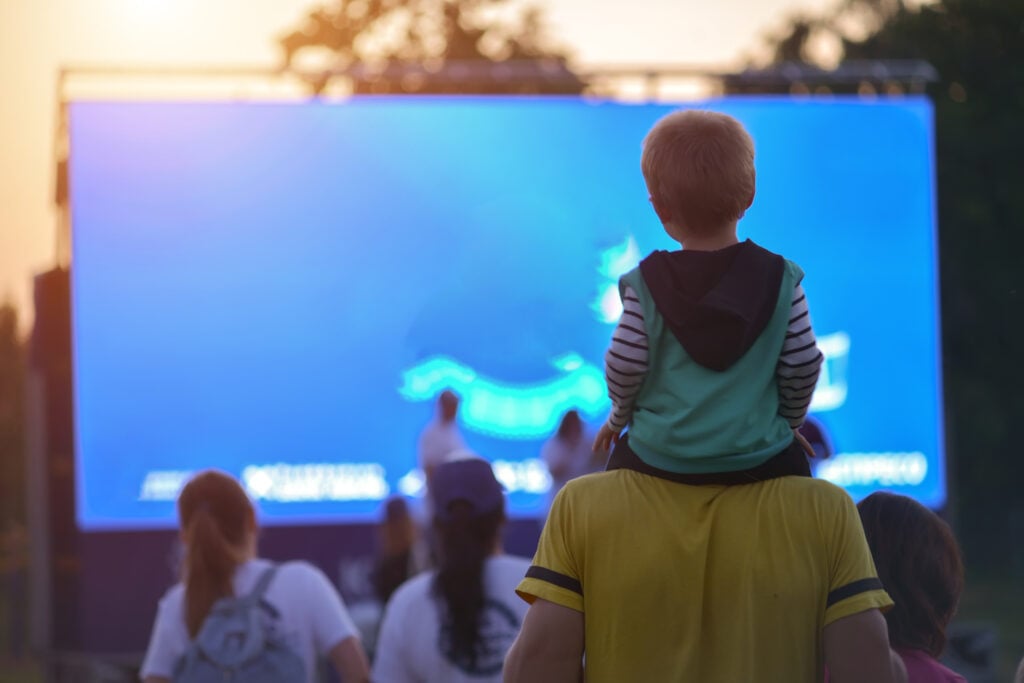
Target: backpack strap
x,y
256,595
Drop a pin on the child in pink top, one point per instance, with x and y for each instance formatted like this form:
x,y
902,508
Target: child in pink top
x,y
919,564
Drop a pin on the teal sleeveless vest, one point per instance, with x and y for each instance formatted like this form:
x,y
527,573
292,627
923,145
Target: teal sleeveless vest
x,y
693,420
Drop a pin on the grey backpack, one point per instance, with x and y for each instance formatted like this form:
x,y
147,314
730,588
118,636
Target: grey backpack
x,y
234,644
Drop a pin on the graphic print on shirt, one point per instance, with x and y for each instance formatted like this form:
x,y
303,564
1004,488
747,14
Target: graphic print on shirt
x,y
498,627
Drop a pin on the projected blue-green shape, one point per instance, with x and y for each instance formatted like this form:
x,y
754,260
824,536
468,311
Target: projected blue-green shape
x,y
508,410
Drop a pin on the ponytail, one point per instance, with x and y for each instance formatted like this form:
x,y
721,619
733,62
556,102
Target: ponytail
x,y
216,518
466,543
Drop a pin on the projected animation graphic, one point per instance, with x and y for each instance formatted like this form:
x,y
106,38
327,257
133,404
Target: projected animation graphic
x,y
282,291
512,411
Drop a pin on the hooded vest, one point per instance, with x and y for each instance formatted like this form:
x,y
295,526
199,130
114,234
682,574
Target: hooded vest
x,y
715,323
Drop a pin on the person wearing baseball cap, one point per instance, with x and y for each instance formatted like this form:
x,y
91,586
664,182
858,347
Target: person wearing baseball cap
x,y
456,623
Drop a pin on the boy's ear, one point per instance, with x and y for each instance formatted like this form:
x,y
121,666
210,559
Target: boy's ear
x,y
663,215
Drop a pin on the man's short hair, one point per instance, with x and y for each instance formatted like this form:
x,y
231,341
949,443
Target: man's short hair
x,y
699,168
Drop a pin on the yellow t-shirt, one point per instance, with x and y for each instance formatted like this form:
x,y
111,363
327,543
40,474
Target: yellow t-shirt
x,y
704,583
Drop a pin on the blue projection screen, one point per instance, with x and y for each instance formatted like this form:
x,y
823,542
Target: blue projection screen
x,y
282,290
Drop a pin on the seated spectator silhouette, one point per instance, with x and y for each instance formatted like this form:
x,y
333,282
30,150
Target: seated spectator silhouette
x,y
255,620
919,564
455,624
399,555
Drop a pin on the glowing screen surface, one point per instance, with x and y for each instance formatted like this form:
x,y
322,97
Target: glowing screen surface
x,y
281,291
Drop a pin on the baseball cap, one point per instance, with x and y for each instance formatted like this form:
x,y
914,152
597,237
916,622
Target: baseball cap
x,y
470,480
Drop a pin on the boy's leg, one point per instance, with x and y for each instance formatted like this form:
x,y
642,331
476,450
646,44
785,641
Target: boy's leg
x,y
791,461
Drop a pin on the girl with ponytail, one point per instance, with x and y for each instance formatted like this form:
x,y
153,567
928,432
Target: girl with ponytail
x,y
456,623
218,531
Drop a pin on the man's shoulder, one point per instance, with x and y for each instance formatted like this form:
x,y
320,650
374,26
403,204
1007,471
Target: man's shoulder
x,y
606,487
812,486
588,484
820,490
803,492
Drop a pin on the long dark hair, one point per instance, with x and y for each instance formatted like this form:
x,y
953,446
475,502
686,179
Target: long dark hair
x,y
919,564
215,516
466,541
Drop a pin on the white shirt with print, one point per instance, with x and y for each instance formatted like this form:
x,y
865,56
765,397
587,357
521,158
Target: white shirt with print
x,y
311,619
409,644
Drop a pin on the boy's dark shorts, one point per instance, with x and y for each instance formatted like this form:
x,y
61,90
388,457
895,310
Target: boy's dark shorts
x,y
791,461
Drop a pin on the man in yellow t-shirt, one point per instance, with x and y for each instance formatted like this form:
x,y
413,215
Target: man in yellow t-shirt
x,y
656,580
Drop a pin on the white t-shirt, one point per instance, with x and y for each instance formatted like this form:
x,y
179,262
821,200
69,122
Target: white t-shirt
x,y
437,442
409,644
574,458
311,619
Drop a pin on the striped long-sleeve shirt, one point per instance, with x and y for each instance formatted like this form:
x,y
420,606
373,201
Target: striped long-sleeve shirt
x,y
796,372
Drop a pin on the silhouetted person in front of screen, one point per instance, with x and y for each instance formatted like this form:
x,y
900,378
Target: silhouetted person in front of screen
x,y
919,564
570,452
442,436
455,624
299,605
398,556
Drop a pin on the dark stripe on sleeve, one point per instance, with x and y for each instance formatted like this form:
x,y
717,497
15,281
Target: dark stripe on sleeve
x,y
790,335
798,383
817,359
624,326
841,593
790,352
630,298
790,378
623,386
626,374
633,344
640,317
627,359
791,393
802,315
560,580
799,299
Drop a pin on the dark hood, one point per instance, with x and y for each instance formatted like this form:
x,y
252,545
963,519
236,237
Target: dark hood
x,y
716,303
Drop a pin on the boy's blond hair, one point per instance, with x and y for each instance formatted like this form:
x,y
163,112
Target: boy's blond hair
x,y
699,168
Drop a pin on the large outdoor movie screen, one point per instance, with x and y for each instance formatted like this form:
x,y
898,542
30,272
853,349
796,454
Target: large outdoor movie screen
x,y
282,291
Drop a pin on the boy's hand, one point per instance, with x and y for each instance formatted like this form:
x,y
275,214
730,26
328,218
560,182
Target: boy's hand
x,y
606,436
804,443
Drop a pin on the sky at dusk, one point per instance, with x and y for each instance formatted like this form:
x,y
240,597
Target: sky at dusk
x,y
37,37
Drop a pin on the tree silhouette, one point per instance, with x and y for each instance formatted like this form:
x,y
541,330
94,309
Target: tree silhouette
x,y
12,419
976,48
432,46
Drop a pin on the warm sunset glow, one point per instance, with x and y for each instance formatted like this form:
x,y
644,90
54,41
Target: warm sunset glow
x,y
38,38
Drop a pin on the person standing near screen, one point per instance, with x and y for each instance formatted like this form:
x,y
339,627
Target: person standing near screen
x,y
442,437
456,623
300,608
713,363
570,452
